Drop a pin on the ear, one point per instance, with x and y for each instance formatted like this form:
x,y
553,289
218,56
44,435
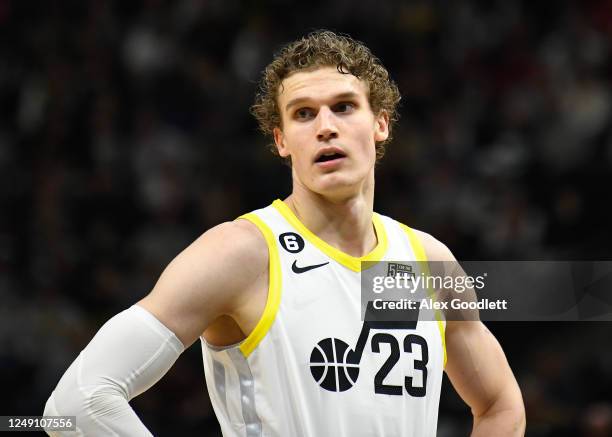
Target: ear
x,y
381,126
279,141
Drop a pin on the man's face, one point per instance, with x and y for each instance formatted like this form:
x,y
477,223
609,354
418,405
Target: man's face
x,y
329,131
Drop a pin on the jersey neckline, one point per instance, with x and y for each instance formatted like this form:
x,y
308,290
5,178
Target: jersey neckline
x,y
351,262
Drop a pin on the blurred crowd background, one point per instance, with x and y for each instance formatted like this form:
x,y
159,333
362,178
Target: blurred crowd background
x,y
125,133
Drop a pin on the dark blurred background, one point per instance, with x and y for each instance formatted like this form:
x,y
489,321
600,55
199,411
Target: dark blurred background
x,y
125,134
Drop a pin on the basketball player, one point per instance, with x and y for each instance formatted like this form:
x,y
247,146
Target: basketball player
x,y
274,296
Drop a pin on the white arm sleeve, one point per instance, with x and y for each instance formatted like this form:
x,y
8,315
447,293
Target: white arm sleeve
x,y
129,354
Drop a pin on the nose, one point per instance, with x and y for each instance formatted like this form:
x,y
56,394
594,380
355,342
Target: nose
x,y
326,126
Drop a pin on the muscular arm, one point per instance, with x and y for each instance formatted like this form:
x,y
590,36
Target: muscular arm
x,y
214,276
134,349
478,369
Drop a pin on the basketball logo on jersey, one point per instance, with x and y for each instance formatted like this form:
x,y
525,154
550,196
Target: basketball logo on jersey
x,y
331,366
335,366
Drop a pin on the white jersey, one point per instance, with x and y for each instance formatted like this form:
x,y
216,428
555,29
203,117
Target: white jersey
x,y
311,366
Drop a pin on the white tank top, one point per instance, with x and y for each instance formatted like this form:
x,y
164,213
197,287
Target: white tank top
x,y
311,366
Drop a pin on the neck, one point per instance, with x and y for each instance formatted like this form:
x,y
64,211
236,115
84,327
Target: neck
x,y
344,222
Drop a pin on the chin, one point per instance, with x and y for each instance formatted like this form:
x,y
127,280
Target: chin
x,y
337,186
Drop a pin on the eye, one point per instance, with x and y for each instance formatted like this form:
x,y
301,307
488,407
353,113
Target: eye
x,y
344,107
304,114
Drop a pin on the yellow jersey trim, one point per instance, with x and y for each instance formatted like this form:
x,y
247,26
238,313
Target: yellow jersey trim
x,y
348,261
274,289
419,253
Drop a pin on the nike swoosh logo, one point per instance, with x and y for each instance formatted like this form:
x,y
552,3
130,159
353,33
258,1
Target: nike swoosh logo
x,y
297,269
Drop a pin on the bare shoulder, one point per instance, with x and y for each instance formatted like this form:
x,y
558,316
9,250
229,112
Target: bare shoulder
x,y
434,248
222,251
438,251
208,279
236,243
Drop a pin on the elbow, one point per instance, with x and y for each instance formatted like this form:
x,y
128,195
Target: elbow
x,y
71,401
506,416
50,408
64,402
88,409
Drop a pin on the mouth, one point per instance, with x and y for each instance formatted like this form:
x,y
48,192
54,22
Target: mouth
x,y
332,157
329,154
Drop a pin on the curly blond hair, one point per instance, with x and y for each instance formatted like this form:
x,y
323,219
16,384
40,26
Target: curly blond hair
x,y
324,48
